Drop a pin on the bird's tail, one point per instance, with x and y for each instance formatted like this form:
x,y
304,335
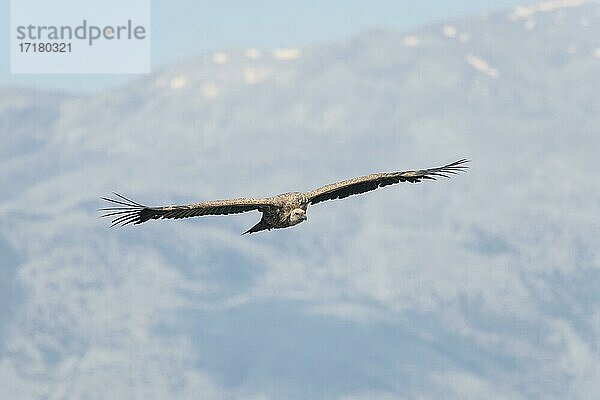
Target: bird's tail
x,y
261,226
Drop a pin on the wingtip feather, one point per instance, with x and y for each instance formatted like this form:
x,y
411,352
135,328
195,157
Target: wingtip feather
x,y
125,212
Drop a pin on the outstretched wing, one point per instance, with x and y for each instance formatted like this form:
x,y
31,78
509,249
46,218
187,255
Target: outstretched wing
x,y
125,211
341,190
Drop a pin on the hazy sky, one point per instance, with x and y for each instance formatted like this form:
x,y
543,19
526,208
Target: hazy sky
x,y
182,29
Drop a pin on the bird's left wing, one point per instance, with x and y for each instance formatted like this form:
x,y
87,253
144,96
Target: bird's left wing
x,y
343,189
125,211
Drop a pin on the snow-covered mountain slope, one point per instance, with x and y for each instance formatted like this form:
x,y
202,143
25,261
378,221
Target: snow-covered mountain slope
x,y
483,286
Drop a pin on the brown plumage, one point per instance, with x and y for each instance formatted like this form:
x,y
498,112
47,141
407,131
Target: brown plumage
x,y
281,211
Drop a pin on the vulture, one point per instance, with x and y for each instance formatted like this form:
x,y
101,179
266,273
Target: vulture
x,y
280,211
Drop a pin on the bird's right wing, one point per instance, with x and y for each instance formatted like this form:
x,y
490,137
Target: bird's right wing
x,y
125,211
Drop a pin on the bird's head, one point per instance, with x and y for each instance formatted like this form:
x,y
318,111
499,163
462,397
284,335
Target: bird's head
x,y
297,216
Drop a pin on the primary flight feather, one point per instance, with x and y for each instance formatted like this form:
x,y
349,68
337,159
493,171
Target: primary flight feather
x,y
281,211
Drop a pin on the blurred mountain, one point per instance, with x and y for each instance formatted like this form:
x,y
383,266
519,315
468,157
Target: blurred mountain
x,y
482,286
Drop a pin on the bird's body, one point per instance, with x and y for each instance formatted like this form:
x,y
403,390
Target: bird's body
x,y
288,209
280,211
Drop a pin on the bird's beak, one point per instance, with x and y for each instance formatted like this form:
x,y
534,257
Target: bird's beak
x,y
304,217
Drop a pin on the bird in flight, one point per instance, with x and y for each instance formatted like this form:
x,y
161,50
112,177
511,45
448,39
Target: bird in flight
x,y
281,211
